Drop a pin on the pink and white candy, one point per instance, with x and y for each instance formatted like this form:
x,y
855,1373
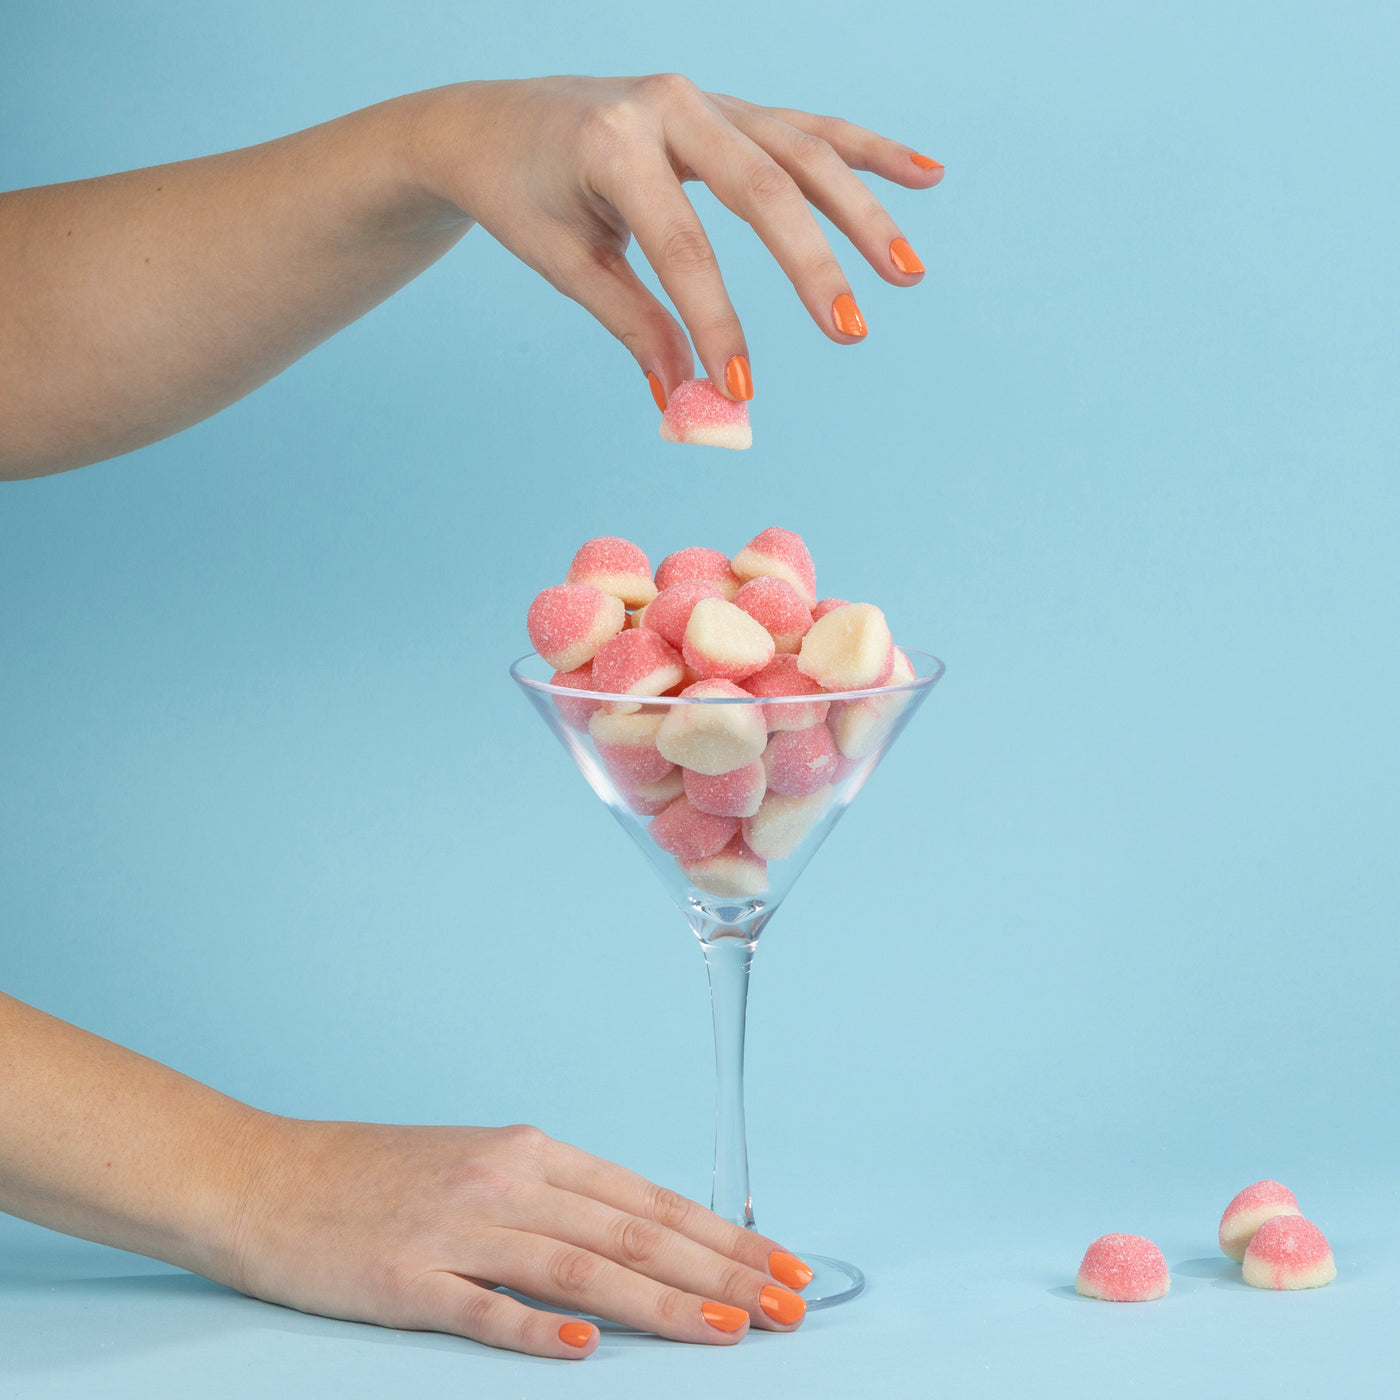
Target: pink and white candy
x,y
575,713
733,873
698,563
778,553
713,739
637,662
626,744
782,824
800,761
722,642
737,793
780,677
861,726
687,833
570,622
1249,1210
1289,1252
651,799
614,566
848,649
778,607
1123,1269
698,413
669,613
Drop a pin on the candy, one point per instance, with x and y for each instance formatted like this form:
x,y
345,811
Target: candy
x,y
775,553
827,605
698,413
712,739
799,761
782,824
636,662
690,834
575,713
735,872
651,799
776,605
614,566
1288,1252
673,605
1123,1269
570,622
626,744
861,726
1249,1210
849,649
723,642
781,677
733,794
697,562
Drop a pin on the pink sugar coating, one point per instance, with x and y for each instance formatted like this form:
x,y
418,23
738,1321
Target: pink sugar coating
x,y
651,799
697,562
736,849
1124,1268
690,834
714,688
633,765
776,604
562,616
635,658
799,761
1291,1244
607,554
715,621
575,713
828,605
737,793
670,610
784,547
1262,1193
780,677
696,403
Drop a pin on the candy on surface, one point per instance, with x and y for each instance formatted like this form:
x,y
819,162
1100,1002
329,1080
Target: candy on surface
x,y
651,799
697,562
775,553
722,642
780,677
626,744
735,872
699,414
800,761
776,605
1123,1269
737,793
1249,1210
570,622
827,605
673,606
575,713
849,649
782,824
712,739
615,566
690,834
636,662
861,726
1288,1252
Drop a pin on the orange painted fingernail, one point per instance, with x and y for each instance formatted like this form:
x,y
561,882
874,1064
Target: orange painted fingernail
x,y
657,392
722,1316
576,1334
781,1305
905,258
789,1269
737,378
928,163
845,315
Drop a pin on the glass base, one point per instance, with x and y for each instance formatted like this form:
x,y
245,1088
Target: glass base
x,y
833,1281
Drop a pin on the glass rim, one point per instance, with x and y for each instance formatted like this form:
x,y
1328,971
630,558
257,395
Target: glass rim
x,y
569,692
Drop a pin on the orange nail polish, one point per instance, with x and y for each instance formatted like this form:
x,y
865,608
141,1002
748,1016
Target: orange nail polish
x,y
576,1334
928,163
722,1316
781,1305
657,392
846,317
737,378
789,1269
905,258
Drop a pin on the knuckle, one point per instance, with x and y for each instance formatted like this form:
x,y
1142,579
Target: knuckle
x,y
826,271
613,127
474,1312
571,1270
685,248
638,1241
735,1282
669,87
668,1208
672,1308
809,151
767,182
525,1138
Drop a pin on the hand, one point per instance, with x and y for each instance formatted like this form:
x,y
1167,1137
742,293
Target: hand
x,y
564,171
411,1227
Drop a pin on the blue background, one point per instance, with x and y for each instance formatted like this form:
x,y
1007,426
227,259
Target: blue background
x,y
1111,935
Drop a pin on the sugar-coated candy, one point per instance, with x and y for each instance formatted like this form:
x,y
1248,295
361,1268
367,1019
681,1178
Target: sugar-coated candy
x,y
626,744
723,642
672,607
1249,1210
575,713
861,726
849,649
651,799
777,553
778,607
697,562
782,824
1123,1269
569,623
781,677
712,739
690,834
637,662
735,872
800,761
737,793
827,605
1288,1252
698,413
614,566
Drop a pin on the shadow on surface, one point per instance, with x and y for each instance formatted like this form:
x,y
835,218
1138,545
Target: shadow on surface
x,y
1220,1271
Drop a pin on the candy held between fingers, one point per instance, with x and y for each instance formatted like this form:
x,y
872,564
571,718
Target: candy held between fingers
x,y
697,562
1249,1210
849,649
699,414
614,566
1123,1269
723,642
626,744
776,605
570,622
799,762
670,612
1288,1252
712,739
782,824
734,872
778,553
637,662
689,834
737,793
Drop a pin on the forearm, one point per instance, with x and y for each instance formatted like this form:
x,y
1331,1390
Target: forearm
x,y
100,1142
134,305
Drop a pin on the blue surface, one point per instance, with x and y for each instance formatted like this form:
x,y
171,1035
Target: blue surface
x,y
1112,934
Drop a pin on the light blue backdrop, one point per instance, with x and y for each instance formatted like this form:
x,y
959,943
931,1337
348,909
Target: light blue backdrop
x,y
1112,934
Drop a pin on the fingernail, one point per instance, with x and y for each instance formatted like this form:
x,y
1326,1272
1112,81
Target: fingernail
x,y
781,1305
722,1316
928,163
789,1269
905,258
576,1334
737,378
845,315
657,392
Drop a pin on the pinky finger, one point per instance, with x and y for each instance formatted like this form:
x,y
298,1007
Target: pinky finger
x,y
443,1302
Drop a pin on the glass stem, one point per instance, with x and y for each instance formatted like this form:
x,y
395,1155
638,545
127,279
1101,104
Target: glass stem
x,y
728,957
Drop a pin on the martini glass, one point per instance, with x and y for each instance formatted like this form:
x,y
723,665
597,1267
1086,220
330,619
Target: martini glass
x,y
729,896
